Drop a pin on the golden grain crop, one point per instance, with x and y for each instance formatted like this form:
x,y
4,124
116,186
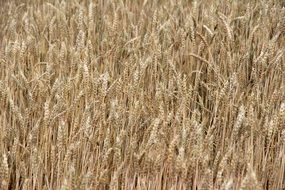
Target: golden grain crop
x,y
146,94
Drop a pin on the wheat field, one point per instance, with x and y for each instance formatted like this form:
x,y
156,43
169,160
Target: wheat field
x,y
146,94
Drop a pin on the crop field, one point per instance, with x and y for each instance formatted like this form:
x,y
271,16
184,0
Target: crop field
x,y
142,94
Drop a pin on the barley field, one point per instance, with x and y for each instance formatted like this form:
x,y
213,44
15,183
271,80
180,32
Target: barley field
x,y
142,94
